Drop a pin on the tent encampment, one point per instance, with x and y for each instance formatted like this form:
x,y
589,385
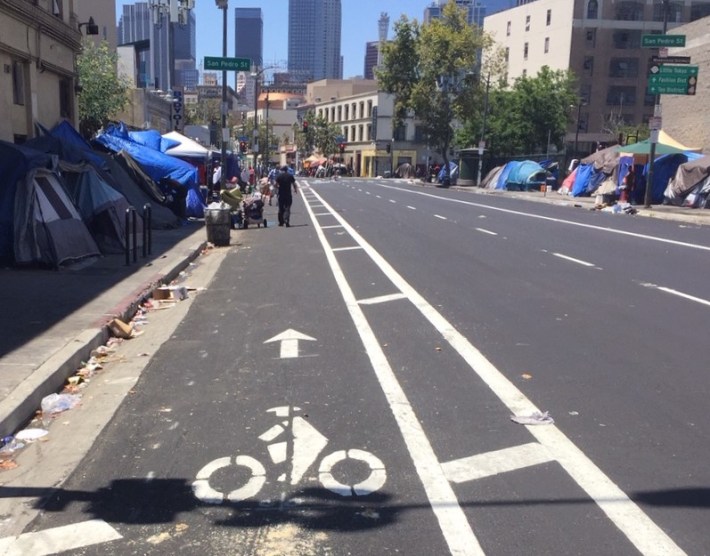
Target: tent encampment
x,y
687,177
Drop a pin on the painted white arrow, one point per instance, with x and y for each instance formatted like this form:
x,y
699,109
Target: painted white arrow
x,y
289,342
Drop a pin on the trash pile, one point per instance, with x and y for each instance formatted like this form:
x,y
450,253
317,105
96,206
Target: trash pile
x,y
70,396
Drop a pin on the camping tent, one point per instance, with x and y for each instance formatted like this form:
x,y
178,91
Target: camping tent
x,y
186,147
525,174
102,208
47,227
491,178
688,176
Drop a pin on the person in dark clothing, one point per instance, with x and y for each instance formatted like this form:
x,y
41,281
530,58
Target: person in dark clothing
x,y
285,181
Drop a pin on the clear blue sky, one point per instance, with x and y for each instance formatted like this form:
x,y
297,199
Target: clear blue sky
x,y
359,26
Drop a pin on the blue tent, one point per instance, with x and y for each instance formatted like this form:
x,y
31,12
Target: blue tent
x,y
503,176
453,172
524,174
158,165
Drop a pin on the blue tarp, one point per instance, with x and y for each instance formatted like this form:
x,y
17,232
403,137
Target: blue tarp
x,y
453,172
158,165
153,139
503,176
15,162
582,180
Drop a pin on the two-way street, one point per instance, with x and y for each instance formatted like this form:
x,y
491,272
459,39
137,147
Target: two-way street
x,y
346,386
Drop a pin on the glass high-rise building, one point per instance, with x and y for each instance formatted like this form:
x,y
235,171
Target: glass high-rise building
x,y
314,28
170,52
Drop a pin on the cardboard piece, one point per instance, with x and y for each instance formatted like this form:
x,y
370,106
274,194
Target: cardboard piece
x,y
120,329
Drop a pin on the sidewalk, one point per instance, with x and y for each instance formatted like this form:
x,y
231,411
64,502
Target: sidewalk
x,y
51,320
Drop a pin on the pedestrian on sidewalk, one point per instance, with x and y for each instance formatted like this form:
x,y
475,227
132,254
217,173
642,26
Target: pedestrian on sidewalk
x,y
628,185
284,182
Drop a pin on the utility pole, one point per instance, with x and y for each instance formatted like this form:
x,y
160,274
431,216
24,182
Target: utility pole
x,y
648,194
482,142
223,4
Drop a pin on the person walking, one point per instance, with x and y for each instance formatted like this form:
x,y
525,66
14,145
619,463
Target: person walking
x,y
284,182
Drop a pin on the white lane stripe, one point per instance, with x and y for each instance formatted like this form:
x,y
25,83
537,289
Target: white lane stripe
x,y
439,216
351,248
411,207
452,520
378,196
331,227
684,295
493,463
484,231
381,299
573,260
59,539
550,219
322,214
393,201
645,535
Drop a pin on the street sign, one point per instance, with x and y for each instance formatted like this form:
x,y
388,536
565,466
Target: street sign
x,y
672,85
657,60
677,71
230,64
655,123
658,41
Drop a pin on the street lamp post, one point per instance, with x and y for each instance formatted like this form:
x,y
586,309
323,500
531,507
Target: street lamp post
x,y
481,143
576,131
222,5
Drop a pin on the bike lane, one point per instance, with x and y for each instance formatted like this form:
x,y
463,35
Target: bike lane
x,y
259,427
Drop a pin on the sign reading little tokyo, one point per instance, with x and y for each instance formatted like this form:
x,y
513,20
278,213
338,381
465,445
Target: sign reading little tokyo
x,y
229,64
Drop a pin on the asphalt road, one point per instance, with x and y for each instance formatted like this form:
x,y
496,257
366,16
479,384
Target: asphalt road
x,y
346,386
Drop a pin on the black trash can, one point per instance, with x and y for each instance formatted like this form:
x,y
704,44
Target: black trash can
x,y
218,222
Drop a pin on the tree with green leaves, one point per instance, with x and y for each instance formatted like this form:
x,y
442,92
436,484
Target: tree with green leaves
x,y
103,94
533,113
433,71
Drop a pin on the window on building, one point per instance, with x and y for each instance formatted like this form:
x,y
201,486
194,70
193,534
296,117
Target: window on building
x,y
18,83
340,113
507,32
547,44
588,66
675,12
624,67
629,10
57,8
621,96
347,112
591,38
525,51
369,109
360,132
527,23
592,9
649,99
699,10
66,109
420,135
525,73
400,133
362,110
626,39
548,20
507,53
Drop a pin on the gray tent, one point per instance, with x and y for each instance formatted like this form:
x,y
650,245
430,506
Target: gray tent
x,y
102,208
48,229
690,174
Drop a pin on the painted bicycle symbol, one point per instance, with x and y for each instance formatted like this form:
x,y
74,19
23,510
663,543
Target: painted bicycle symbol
x,y
301,447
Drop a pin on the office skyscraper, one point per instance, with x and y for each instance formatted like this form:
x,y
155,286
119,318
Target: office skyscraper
x,y
249,35
314,39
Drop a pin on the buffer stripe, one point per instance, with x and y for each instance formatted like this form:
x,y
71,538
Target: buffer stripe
x,y
59,539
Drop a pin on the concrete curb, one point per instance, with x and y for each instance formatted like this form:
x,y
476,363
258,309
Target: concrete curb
x,y
21,405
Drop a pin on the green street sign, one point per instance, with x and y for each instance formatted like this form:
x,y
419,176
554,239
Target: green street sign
x,y
229,64
678,71
658,41
672,85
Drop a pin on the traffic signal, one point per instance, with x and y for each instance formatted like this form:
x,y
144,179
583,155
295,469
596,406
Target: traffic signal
x,y
388,148
342,148
243,146
305,126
